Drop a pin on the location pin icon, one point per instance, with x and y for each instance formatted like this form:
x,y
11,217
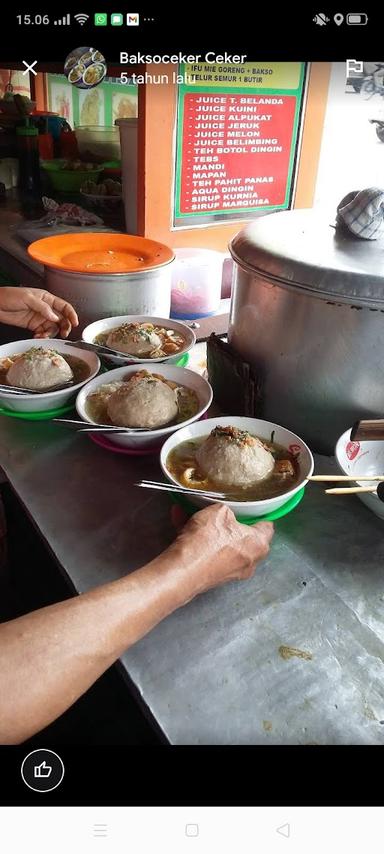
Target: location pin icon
x,y
338,18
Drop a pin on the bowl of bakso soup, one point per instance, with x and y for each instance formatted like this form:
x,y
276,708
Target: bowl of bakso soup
x,y
50,371
146,339
157,400
258,465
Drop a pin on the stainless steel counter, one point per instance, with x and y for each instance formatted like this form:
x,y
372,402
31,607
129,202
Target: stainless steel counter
x,y
216,671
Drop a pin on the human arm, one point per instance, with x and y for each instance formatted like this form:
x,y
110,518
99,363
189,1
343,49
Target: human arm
x,y
50,657
37,310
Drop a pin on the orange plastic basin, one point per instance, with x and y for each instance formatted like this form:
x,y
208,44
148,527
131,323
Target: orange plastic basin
x,y
100,253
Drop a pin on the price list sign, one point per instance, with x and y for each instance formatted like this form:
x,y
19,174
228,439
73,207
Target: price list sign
x,y
237,140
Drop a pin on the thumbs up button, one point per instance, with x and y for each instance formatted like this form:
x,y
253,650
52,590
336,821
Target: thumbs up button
x,y
42,770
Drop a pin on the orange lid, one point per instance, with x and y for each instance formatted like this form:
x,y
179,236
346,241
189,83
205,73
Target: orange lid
x,y
97,253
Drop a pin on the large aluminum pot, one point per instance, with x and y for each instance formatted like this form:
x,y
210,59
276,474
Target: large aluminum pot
x,y
144,287
97,297
307,312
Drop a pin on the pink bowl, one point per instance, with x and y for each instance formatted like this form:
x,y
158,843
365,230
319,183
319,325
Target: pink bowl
x,y
117,449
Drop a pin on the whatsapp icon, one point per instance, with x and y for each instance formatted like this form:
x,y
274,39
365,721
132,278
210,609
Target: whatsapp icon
x,y
101,19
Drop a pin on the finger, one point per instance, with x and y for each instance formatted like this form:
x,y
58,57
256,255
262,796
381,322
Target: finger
x,y
264,530
41,308
65,309
65,328
178,517
46,330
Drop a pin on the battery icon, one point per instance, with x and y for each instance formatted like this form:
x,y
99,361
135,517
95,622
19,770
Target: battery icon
x,y
357,18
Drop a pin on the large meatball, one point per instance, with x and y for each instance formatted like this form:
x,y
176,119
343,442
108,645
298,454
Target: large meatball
x,y
136,339
143,402
234,457
39,369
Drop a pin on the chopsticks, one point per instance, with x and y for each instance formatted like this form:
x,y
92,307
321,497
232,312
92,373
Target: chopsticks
x,y
183,490
344,477
354,490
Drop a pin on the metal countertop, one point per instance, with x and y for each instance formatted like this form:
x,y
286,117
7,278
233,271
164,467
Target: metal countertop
x,y
212,672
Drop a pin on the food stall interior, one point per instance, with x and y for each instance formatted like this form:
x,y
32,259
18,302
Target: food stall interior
x,y
228,340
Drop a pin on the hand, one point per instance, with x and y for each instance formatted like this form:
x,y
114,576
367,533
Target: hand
x,y
37,310
215,548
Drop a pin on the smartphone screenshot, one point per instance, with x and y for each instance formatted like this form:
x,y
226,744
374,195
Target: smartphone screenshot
x,y
191,428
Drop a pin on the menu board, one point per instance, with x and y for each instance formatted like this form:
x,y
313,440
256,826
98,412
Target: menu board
x,y
237,139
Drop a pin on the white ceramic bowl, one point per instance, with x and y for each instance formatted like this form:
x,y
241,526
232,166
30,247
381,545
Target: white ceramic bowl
x,y
151,438
49,399
90,332
262,429
362,458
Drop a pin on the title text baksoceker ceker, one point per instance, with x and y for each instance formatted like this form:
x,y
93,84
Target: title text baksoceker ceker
x,y
181,58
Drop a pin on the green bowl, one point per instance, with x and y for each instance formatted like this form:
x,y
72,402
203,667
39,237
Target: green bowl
x,y
286,508
112,167
38,416
111,164
69,180
183,361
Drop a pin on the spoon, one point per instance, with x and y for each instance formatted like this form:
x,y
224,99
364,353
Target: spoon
x,y
181,490
86,427
103,350
15,389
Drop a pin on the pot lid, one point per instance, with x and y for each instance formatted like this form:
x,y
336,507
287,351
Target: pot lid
x,y
302,249
96,253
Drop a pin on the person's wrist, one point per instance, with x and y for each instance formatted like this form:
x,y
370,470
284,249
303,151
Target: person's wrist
x,y
176,573
190,565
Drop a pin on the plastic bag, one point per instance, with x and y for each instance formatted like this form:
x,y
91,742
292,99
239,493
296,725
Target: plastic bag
x,y
59,219
67,214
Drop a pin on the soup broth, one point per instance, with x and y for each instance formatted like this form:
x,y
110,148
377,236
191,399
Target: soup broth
x,y
183,466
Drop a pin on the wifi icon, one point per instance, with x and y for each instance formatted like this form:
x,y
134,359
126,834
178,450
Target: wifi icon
x,y
81,18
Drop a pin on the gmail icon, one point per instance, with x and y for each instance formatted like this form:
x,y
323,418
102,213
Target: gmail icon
x,y
133,19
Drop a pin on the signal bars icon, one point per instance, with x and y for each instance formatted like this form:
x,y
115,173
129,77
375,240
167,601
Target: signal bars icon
x,y
65,20
81,18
